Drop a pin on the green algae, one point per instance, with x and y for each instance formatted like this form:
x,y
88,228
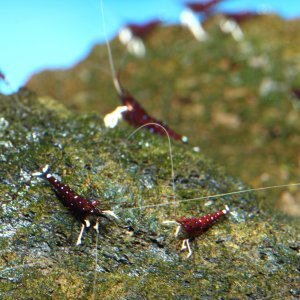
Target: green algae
x,y
233,99
249,255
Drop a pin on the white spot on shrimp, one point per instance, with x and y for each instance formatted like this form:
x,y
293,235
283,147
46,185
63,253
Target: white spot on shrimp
x,y
185,139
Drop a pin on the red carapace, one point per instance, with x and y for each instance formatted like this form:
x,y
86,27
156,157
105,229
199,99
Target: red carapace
x,y
85,210
190,228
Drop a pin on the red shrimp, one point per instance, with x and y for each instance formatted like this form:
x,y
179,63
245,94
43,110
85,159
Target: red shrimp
x,y
132,111
190,228
85,210
189,17
142,30
241,17
136,115
203,6
133,35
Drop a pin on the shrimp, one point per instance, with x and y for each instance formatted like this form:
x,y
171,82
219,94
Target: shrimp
x,y
192,227
86,210
131,110
132,36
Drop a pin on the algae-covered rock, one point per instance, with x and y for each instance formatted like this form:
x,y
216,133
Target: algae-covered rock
x,y
251,254
232,98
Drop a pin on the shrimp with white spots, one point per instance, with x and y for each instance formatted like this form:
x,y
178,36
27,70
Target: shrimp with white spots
x,y
85,210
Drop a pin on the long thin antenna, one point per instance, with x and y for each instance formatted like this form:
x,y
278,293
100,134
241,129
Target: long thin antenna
x,y
217,195
171,156
110,58
96,262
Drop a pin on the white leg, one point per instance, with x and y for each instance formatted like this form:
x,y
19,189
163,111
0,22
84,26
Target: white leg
x,y
189,248
96,227
87,223
169,222
183,245
80,235
177,231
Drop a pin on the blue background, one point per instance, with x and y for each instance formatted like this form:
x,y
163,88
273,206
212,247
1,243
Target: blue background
x,y
38,34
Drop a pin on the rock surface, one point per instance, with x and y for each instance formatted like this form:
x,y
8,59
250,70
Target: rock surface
x,y
234,99
252,254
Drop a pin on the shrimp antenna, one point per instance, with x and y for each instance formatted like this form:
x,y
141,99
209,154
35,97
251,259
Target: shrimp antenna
x,y
220,195
110,57
96,263
171,156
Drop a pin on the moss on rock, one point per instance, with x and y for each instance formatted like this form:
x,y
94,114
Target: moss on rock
x,y
252,254
234,99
